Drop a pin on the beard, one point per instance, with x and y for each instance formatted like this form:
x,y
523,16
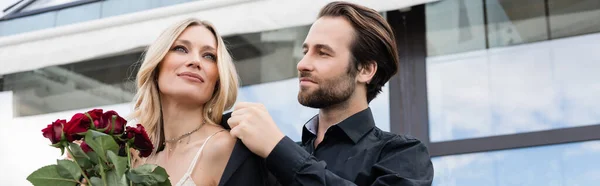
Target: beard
x,y
328,92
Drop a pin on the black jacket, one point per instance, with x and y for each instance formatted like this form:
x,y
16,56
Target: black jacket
x,y
244,167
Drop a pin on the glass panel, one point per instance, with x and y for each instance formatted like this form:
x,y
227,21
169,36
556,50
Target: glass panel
x,y
513,22
267,56
119,7
555,165
454,26
73,86
78,14
39,4
6,5
29,23
538,85
173,2
573,17
531,87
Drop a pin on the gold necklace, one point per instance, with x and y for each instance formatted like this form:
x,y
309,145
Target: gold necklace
x,y
178,139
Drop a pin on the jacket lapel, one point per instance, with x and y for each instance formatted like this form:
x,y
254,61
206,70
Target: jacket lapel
x,y
238,157
239,154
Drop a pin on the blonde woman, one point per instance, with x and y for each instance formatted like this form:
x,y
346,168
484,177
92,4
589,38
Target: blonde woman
x,y
185,82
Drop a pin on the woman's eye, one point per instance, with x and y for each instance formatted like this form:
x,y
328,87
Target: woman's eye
x,y
211,57
180,49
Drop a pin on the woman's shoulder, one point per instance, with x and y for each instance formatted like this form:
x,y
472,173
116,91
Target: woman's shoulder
x,y
222,141
220,145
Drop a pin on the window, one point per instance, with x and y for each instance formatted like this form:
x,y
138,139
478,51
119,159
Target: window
x,y
511,22
85,84
539,84
573,17
39,4
32,7
565,164
267,56
454,26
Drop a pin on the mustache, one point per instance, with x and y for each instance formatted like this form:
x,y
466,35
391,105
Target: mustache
x,y
305,75
308,75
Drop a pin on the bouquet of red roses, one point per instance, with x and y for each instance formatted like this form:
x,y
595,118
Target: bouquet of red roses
x,y
103,156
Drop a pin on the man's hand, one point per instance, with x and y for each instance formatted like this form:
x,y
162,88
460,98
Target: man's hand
x,y
251,123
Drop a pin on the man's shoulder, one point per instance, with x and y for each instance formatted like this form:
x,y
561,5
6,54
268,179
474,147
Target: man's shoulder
x,y
394,138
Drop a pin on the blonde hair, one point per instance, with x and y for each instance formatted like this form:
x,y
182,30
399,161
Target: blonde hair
x,y
147,109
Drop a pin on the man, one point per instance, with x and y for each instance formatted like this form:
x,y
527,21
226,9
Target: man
x,y
350,53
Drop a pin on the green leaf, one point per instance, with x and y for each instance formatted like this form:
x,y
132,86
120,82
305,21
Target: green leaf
x,y
68,169
101,143
119,162
96,181
98,168
48,175
93,157
161,174
148,174
102,173
77,151
113,179
80,156
165,183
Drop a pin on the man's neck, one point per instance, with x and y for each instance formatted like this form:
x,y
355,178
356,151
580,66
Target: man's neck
x,y
179,118
337,113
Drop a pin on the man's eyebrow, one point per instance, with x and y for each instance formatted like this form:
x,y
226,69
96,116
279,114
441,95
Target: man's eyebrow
x,y
324,47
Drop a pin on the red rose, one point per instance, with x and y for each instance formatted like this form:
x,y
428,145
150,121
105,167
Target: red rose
x,y
141,141
54,131
107,123
96,115
85,147
75,128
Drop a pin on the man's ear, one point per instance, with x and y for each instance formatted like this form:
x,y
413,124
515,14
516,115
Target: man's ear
x,y
366,72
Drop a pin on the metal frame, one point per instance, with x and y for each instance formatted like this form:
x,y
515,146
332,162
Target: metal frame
x,y
408,88
513,141
17,14
408,99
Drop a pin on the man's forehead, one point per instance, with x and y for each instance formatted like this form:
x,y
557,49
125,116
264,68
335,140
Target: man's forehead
x,y
331,31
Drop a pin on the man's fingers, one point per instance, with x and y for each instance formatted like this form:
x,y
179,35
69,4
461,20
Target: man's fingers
x,y
234,121
240,111
241,105
235,132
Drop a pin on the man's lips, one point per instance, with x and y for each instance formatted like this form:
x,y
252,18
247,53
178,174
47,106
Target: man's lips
x,y
304,79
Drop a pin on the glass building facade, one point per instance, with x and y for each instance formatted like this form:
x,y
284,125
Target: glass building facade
x,y
504,92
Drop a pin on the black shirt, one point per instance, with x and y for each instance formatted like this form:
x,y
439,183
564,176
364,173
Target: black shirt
x,y
353,152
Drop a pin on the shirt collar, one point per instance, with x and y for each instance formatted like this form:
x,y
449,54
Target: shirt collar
x,y
310,128
355,126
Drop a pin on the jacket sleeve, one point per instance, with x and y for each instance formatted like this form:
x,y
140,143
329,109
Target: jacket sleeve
x,y
292,165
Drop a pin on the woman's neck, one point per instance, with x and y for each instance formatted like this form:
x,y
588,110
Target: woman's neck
x,y
179,119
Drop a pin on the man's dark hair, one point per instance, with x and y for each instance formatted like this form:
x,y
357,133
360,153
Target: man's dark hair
x,y
374,41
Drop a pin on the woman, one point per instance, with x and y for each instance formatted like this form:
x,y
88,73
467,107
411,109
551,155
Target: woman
x,y
185,83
